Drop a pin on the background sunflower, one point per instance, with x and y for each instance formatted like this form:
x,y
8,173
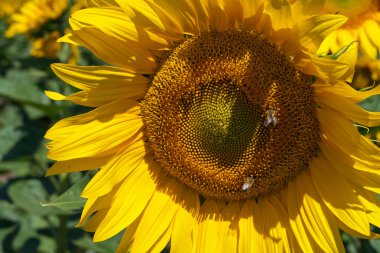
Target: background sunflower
x,y
363,26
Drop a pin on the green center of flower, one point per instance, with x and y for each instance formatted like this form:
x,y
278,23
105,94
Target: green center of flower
x,y
220,122
228,115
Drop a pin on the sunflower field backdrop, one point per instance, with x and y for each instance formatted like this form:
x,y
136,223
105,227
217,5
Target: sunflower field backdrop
x,y
32,216
39,213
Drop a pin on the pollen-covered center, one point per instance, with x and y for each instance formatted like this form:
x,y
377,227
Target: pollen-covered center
x,y
229,116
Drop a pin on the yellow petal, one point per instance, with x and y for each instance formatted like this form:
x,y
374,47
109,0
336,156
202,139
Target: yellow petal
x,y
95,220
349,109
116,169
100,85
356,174
263,226
86,212
338,196
222,14
272,226
98,203
329,70
252,11
315,29
229,227
113,50
141,13
68,38
329,44
116,24
367,49
185,221
305,8
159,214
317,218
372,29
96,138
55,95
179,17
92,77
370,202
129,202
248,235
346,37
278,224
66,127
76,165
100,3
295,197
345,90
163,241
280,14
343,133
128,237
206,234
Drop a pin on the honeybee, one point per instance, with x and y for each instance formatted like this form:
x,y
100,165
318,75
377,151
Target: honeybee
x,y
270,118
248,184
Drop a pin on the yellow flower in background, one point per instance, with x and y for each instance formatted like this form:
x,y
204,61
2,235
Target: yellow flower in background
x,y
363,25
216,127
7,7
46,46
33,14
31,18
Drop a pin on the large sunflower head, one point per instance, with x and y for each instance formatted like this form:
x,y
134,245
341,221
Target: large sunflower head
x,y
217,127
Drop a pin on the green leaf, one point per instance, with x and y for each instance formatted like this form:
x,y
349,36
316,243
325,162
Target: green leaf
x,y
9,212
375,244
16,168
22,86
28,196
100,247
371,104
351,244
10,121
3,233
71,200
47,244
25,232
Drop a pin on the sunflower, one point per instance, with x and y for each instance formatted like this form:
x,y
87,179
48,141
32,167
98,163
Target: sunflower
x,y
217,127
363,25
7,7
33,19
40,22
33,14
46,46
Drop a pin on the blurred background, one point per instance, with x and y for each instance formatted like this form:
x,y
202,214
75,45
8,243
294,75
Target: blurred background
x,y
38,213
34,215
